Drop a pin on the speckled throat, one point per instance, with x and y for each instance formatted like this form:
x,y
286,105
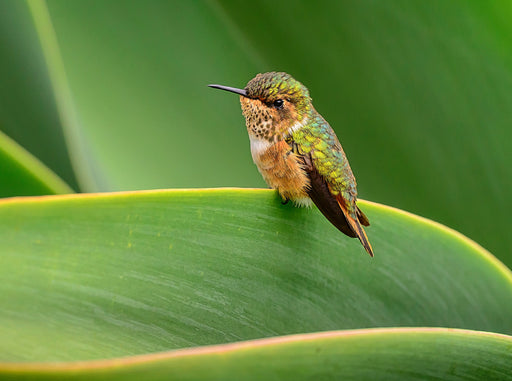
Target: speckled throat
x,y
259,121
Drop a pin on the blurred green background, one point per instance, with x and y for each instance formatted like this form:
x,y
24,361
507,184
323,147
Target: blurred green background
x,y
112,95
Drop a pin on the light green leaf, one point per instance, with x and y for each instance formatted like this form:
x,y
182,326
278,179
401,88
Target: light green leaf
x,y
394,354
85,168
141,91
107,275
24,175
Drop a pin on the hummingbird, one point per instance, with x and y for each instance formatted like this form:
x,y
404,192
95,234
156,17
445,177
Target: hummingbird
x,y
297,151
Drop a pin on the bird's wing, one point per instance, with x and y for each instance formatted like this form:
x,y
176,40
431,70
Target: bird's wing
x,y
323,198
334,207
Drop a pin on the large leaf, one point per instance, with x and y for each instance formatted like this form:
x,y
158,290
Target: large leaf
x,y
100,276
419,93
391,354
24,175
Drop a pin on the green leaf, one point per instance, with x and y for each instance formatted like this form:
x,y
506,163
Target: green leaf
x,y
419,94
24,175
394,354
107,275
88,174
28,113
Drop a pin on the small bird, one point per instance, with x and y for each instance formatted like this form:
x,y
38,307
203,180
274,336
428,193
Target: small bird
x,y
298,153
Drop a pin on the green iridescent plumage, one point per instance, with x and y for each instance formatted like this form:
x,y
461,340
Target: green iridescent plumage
x,y
319,140
275,85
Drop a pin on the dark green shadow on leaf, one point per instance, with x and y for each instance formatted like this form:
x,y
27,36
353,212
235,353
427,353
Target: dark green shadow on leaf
x,y
24,175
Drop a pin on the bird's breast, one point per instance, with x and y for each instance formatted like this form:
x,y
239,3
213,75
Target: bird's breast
x,y
281,168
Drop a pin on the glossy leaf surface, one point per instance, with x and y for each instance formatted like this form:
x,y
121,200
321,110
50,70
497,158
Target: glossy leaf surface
x,y
101,276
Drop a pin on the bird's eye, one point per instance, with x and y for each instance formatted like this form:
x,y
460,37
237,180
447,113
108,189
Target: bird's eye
x,y
278,104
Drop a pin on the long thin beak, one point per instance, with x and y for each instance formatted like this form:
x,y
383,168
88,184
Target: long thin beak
x,y
230,89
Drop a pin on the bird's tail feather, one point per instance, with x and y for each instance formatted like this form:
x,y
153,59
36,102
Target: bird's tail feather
x,y
362,217
356,226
